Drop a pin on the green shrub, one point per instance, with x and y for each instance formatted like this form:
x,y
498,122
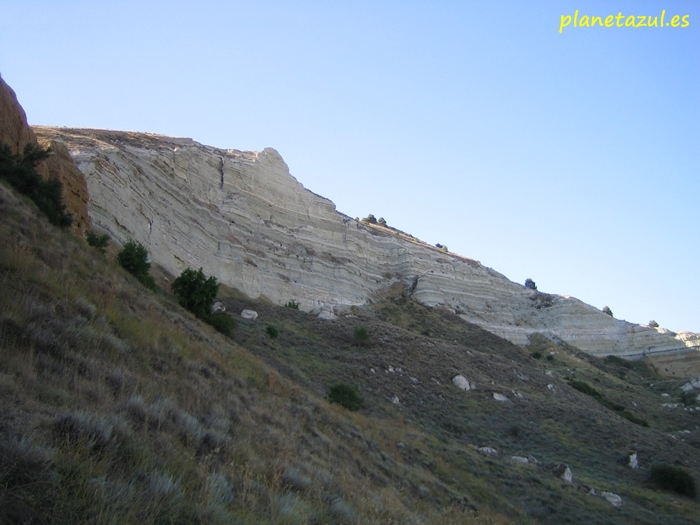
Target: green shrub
x,y
689,398
550,357
133,257
346,396
381,222
196,292
222,322
529,283
272,331
292,304
536,355
674,479
653,324
634,419
607,310
361,334
586,389
20,172
370,219
96,240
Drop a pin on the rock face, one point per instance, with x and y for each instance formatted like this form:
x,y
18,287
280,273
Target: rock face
x,y
15,132
242,217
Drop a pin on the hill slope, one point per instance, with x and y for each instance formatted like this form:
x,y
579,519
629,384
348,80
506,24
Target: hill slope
x,y
119,405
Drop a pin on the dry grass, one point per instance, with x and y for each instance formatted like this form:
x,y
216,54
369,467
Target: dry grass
x,y
120,407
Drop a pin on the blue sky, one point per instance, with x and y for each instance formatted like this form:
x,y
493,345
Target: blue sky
x,y
571,158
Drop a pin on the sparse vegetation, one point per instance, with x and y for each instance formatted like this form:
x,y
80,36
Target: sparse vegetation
x,y
98,241
346,396
292,304
272,331
119,407
20,172
361,334
674,479
620,409
529,283
133,257
370,219
223,322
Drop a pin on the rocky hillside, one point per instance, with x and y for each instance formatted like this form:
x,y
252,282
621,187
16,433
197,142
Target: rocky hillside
x,y
16,133
241,216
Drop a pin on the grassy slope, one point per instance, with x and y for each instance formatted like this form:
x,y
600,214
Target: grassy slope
x,y
119,407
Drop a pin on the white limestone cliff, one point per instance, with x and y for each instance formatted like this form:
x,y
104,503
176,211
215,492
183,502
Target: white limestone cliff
x,y
242,217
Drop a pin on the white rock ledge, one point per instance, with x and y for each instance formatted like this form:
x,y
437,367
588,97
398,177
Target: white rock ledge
x,y
241,216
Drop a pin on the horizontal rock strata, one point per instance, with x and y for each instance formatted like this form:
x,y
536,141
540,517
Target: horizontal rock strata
x,y
242,217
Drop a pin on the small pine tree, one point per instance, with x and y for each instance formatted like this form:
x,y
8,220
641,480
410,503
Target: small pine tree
x,y
196,292
361,334
96,240
529,283
370,219
272,331
607,310
133,257
653,324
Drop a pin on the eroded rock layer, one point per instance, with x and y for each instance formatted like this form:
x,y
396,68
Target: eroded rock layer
x,y
242,217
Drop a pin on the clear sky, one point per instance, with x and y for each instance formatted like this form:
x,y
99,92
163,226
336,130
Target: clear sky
x,y
570,157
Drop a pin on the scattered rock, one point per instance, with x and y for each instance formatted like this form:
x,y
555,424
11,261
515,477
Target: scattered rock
x,y
612,498
499,397
488,451
395,400
693,384
563,471
665,395
518,394
520,459
218,306
249,314
414,380
551,387
461,382
633,461
423,491
327,313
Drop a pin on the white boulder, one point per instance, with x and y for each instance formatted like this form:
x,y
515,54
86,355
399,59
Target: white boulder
x,y
249,314
612,498
461,382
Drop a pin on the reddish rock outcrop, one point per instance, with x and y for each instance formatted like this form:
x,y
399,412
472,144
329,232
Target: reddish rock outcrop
x,y
15,132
